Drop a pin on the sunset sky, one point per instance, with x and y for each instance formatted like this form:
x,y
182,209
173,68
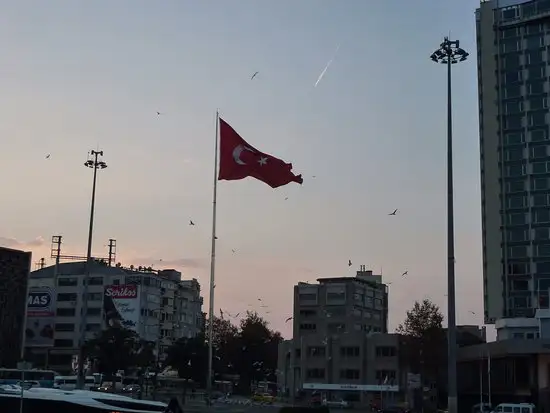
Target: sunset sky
x,y
79,75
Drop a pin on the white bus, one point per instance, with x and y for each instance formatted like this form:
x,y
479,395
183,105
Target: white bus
x,y
69,382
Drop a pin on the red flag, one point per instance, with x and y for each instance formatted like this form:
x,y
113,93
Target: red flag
x,y
239,160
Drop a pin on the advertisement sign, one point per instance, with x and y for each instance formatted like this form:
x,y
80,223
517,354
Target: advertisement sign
x,y
121,305
40,317
351,387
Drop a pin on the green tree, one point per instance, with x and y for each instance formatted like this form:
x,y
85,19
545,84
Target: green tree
x,y
189,356
258,351
423,343
115,349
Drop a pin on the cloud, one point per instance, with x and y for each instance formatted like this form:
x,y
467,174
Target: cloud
x,y
176,263
15,243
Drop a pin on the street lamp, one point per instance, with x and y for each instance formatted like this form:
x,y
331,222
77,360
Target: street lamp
x,y
95,163
450,53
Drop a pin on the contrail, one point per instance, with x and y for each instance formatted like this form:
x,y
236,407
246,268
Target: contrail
x,y
327,66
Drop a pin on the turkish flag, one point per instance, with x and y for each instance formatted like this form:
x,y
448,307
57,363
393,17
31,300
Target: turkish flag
x,y
239,160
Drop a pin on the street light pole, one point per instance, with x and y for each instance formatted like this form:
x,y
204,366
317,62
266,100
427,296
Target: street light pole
x,y
450,53
94,164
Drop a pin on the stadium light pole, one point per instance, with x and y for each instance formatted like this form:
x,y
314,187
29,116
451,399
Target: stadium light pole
x,y
95,163
449,53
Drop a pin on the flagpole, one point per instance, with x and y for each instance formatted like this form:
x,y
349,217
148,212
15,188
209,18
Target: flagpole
x,y
212,270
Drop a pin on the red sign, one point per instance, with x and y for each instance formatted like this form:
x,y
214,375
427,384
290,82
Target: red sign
x,y
121,291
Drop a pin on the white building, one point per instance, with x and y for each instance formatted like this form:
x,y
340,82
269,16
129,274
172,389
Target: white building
x,y
159,306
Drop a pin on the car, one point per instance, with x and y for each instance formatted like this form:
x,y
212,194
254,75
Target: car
x,y
263,398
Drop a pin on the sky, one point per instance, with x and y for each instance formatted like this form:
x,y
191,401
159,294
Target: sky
x,y
81,75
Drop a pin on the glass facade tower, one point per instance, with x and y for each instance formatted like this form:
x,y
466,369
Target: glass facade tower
x,y
513,50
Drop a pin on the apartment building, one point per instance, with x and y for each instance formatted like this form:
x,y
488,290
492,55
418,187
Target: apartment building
x,y
14,273
513,39
340,344
158,305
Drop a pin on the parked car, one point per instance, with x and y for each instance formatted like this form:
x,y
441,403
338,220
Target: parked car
x,y
263,398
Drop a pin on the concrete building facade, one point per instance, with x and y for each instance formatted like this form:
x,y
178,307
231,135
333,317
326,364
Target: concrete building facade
x,y
513,39
340,346
168,307
15,266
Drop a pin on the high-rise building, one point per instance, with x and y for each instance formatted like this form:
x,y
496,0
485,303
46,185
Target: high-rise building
x,y
513,38
14,274
158,305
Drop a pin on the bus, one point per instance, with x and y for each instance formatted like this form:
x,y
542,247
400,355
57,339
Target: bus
x,y
69,382
45,378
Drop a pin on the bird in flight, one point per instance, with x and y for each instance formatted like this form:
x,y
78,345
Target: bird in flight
x,y
405,273
394,212
286,198
288,319
472,312
159,113
48,156
254,75
191,222
349,263
233,251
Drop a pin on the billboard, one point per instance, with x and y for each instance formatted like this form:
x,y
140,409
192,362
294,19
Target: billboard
x,y
39,330
121,305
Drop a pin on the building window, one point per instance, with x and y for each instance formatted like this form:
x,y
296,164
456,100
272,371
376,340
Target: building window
x,y
308,313
94,311
336,328
543,250
64,327
514,154
535,87
316,351
513,122
67,282
315,373
514,138
335,312
540,200
66,297
516,201
518,268
336,296
515,170
95,281
520,285
515,186
386,351
349,351
63,343
538,103
541,216
539,183
350,374
94,297
533,57
65,312
534,42
94,327
516,219
518,251
512,77
513,107
539,151
512,91
385,375
536,72
540,167
308,297
308,327
539,135
537,119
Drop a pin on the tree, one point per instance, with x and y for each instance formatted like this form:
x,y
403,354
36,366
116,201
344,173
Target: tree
x,y
189,356
115,349
424,318
423,343
258,351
